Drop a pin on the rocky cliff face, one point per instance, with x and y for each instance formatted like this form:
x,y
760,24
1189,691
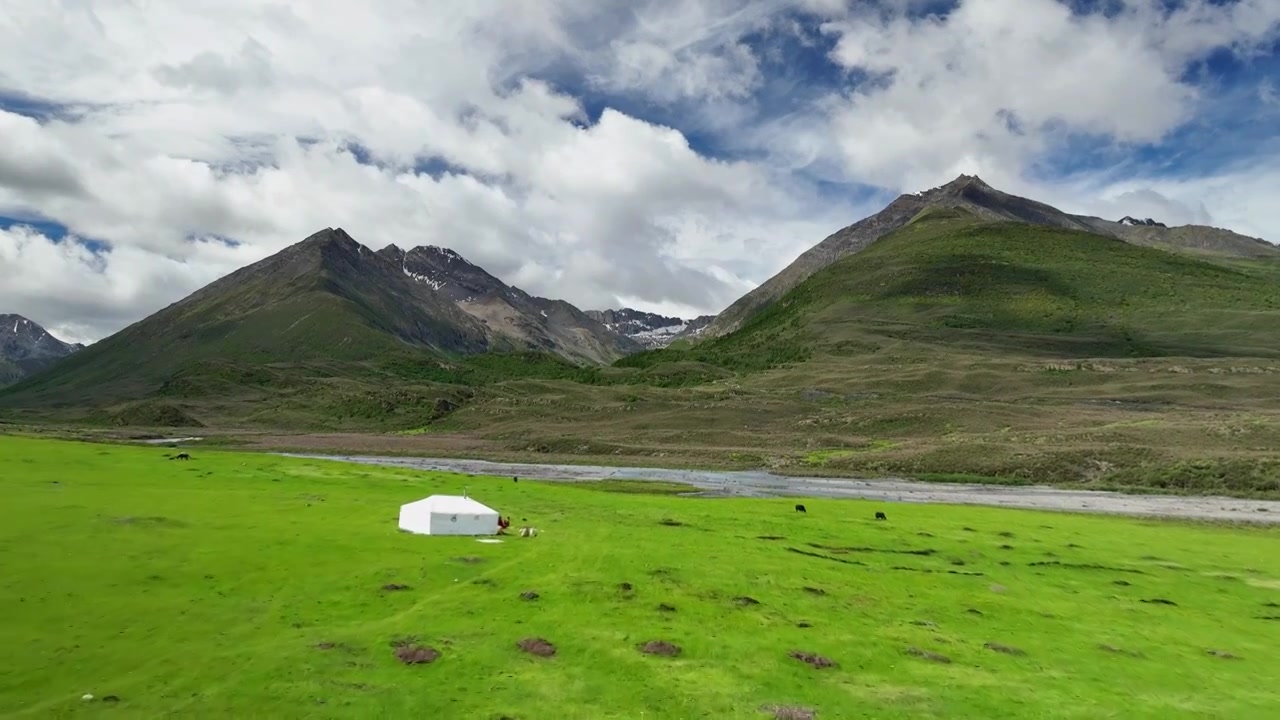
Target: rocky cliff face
x,y
511,314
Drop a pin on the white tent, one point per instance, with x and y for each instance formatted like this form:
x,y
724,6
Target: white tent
x,y
448,515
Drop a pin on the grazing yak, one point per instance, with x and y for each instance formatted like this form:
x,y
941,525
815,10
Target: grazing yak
x,y
881,516
800,508
181,456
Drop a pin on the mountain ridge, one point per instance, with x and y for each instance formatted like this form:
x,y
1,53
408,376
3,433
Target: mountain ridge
x,y
650,330
549,325
971,193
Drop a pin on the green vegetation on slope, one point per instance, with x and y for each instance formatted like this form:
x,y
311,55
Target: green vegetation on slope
x,y
948,279
239,585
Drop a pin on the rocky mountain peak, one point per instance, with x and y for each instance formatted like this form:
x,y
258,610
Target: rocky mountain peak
x,y
26,348
1135,222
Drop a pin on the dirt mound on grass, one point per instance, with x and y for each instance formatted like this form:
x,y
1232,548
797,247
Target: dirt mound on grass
x,y
790,712
529,595
417,654
1005,649
392,587
814,659
537,646
745,600
931,656
660,647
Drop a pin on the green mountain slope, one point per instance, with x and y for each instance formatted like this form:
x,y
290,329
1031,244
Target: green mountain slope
x,y
325,300
971,195
951,278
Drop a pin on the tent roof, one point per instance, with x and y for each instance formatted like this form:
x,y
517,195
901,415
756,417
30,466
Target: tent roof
x,y
453,505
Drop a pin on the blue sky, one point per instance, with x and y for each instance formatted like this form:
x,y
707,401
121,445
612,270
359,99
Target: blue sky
x,y
663,154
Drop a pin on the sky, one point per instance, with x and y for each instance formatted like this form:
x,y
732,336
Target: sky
x,y
667,155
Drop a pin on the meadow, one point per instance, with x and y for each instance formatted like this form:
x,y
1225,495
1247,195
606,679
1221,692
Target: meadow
x,y
245,585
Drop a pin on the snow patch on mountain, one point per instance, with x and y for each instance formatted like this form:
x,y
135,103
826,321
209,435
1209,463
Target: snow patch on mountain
x,y
650,329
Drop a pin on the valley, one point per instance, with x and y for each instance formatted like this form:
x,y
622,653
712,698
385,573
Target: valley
x,y
961,335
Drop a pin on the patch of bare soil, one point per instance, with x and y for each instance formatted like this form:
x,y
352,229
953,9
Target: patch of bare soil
x,y
838,550
670,522
1224,655
790,712
1119,651
417,654
815,591
393,587
927,655
1160,601
817,661
154,521
331,646
666,608
1004,649
770,537
529,595
470,560
820,556
745,601
537,646
660,647
1085,566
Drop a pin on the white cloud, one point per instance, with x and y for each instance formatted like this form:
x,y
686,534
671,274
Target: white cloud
x,y
236,118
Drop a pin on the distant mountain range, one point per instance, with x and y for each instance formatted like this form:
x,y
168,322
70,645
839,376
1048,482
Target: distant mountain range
x,y
26,348
339,309
649,329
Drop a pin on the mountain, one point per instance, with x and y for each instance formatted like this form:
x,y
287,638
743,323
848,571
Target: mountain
x,y
27,348
971,194
325,299
330,319
650,330
958,282
535,323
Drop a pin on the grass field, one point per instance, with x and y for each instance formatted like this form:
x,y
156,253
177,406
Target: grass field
x,y
241,585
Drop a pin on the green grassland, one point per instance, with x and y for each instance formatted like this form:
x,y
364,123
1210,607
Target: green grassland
x,y
241,585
